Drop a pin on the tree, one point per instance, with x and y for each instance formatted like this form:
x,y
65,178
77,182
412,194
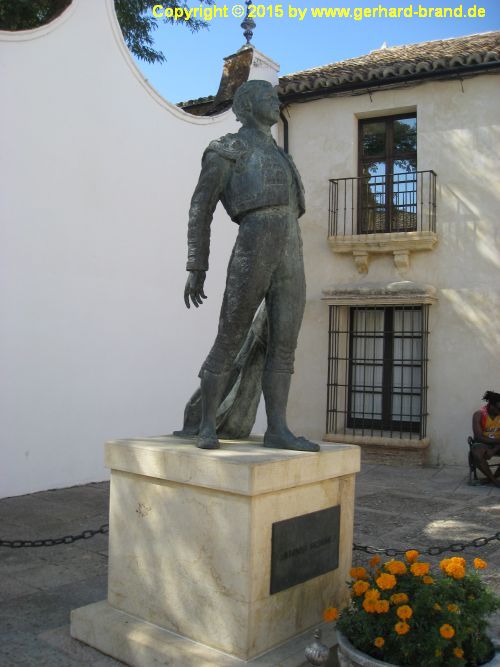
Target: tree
x,y
135,18
138,24
28,14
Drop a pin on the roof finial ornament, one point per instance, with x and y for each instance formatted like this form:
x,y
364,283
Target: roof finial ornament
x,y
248,24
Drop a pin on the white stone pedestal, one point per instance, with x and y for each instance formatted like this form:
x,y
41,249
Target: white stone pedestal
x,y
190,552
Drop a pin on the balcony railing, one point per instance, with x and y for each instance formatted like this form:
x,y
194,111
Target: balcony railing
x,y
403,202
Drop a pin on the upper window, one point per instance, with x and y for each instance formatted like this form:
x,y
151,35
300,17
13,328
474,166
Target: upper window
x,y
387,196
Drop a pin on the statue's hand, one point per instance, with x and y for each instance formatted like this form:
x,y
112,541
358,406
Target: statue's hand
x,y
194,288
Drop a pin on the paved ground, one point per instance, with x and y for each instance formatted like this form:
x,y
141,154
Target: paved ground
x,y
396,507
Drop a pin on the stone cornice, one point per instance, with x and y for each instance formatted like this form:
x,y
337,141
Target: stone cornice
x,y
399,244
394,293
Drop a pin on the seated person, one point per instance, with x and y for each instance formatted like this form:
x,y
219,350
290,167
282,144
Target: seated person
x,y
486,429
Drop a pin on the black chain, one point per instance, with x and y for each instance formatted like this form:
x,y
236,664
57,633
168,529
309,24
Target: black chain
x,y
456,547
52,542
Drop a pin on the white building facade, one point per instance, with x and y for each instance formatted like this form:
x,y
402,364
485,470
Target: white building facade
x,y
399,153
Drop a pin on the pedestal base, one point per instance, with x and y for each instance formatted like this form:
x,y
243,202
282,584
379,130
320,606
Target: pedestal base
x,y
140,644
236,550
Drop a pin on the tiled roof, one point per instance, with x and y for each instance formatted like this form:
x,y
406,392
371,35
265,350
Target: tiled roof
x,y
235,71
407,62
198,100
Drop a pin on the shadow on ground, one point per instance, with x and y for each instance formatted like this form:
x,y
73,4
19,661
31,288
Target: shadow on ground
x,y
395,508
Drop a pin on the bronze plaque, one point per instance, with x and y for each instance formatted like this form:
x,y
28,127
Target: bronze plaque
x,y
304,547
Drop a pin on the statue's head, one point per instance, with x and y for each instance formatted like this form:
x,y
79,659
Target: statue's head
x,y
256,100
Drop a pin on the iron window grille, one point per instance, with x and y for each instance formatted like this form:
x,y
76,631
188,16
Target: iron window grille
x,y
377,371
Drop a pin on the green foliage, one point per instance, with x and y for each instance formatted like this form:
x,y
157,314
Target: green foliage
x,y
27,14
441,623
135,18
138,24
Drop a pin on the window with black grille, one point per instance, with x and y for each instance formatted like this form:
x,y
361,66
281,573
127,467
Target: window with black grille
x,y
377,370
387,197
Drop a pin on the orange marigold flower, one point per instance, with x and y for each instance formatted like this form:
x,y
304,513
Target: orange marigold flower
x,y
374,561
404,612
399,598
402,628
480,564
453,567
453,607
456,560
359,587
444,563
370,606
420,569
411,555
379,642
372,594
458,652
386,581
455,570
395,567
427,580
331,614
358,573
382,606
447,631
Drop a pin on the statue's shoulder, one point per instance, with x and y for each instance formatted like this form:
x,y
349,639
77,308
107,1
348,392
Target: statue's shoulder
x,y
230,146
286,155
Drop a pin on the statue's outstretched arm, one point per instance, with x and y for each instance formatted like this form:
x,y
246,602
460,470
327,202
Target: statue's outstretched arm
x,y
214,173
213,176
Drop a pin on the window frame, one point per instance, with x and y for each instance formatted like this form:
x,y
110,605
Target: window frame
x,y
387,421
388,158
341,363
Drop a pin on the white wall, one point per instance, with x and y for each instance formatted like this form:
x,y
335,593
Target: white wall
x,y
97,171
459,138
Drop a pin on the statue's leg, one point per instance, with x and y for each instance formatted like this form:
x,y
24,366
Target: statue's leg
x,y
247,283
275,387
285,305
192,417
212,390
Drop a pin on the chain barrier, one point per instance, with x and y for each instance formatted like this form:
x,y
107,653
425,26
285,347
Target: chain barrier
x,y
53,542
455,547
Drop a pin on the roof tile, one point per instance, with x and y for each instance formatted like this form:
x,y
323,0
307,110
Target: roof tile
x,y
402,62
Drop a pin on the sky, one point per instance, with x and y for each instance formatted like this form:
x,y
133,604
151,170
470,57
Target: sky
x,y
194,61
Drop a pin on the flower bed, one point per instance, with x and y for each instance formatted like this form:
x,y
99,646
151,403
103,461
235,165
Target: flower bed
x,y
403,613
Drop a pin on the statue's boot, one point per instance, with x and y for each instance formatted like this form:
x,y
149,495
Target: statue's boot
x,y
192,417
212,389
276,387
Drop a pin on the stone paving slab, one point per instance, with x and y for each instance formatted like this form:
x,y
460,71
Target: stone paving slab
x,y
396,507
60,640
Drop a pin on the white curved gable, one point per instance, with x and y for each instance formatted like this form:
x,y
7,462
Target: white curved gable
x,y
97,171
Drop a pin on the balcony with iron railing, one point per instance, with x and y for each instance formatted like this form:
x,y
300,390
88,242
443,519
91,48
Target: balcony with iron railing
x,y
393,214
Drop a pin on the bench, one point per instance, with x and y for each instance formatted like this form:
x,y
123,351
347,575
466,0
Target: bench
x,y
473,478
